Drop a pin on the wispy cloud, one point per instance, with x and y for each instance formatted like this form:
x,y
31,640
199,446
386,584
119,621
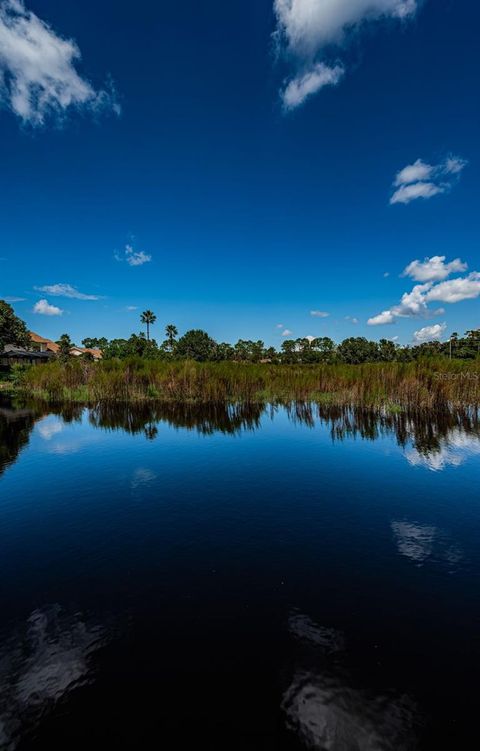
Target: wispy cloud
x,y
12,298
415,304
65,290
287,332
133,257
131,308
422,180
315,79
43,308
352,319
319,314
37,69
309,32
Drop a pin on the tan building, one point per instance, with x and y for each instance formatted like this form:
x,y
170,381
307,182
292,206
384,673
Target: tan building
x,y
41,344
79,351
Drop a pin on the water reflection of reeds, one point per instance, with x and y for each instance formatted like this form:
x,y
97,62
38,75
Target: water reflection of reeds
x,y
428,432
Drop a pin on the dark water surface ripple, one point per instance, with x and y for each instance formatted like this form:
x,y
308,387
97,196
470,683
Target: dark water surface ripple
x,y
241,577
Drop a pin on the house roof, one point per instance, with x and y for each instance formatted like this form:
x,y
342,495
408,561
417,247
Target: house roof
x,y
37,339
19,352
89,350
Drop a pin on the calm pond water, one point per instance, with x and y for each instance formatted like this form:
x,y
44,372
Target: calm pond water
x,y
242,578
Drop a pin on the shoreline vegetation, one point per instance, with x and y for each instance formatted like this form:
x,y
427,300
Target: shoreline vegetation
x,y
196,369
431,384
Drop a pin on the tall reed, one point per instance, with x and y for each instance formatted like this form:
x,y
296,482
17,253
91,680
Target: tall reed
x,y
425,384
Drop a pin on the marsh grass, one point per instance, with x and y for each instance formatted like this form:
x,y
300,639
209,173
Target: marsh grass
x,y
427,384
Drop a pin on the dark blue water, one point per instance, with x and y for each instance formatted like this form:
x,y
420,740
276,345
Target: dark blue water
x,y
250,578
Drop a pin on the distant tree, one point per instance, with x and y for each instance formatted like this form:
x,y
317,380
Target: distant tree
x,y
171,332
387,350
271,355
136,346
473,341
224,352
324,347
12,329
149,319
65,344
196,345
357,349
247,350
116,348
289,351
257,351
93,343
140,345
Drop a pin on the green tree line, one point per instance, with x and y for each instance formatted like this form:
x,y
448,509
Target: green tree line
x,y
196,344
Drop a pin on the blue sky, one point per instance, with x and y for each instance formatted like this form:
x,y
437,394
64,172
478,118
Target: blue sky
x,y
232,167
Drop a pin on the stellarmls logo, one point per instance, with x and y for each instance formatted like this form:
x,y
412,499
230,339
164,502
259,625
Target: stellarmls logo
x,y
457,376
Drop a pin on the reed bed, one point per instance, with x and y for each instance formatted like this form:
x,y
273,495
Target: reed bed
x,y
423,384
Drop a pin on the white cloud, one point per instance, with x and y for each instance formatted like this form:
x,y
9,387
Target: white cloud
x,y
131,308
287,332
430,333
133,257
414,172
433,269
279,326
298,89
422,180
65,290
386,274
37,69
407,193
414,304
382,318
456,290
12,298
352,319
319,314
43,308
308,29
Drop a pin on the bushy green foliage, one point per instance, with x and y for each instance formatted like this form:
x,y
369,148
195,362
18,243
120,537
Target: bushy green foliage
x,y
12,329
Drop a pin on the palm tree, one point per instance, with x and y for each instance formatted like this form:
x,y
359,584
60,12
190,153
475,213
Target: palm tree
x,y
149,319
171,332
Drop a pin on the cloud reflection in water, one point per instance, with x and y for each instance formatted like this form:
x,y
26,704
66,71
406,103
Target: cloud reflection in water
x,y
327,713
40,664
421,543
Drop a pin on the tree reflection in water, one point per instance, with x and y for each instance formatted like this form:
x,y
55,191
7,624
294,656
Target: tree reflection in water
x,y
17,421
433,439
